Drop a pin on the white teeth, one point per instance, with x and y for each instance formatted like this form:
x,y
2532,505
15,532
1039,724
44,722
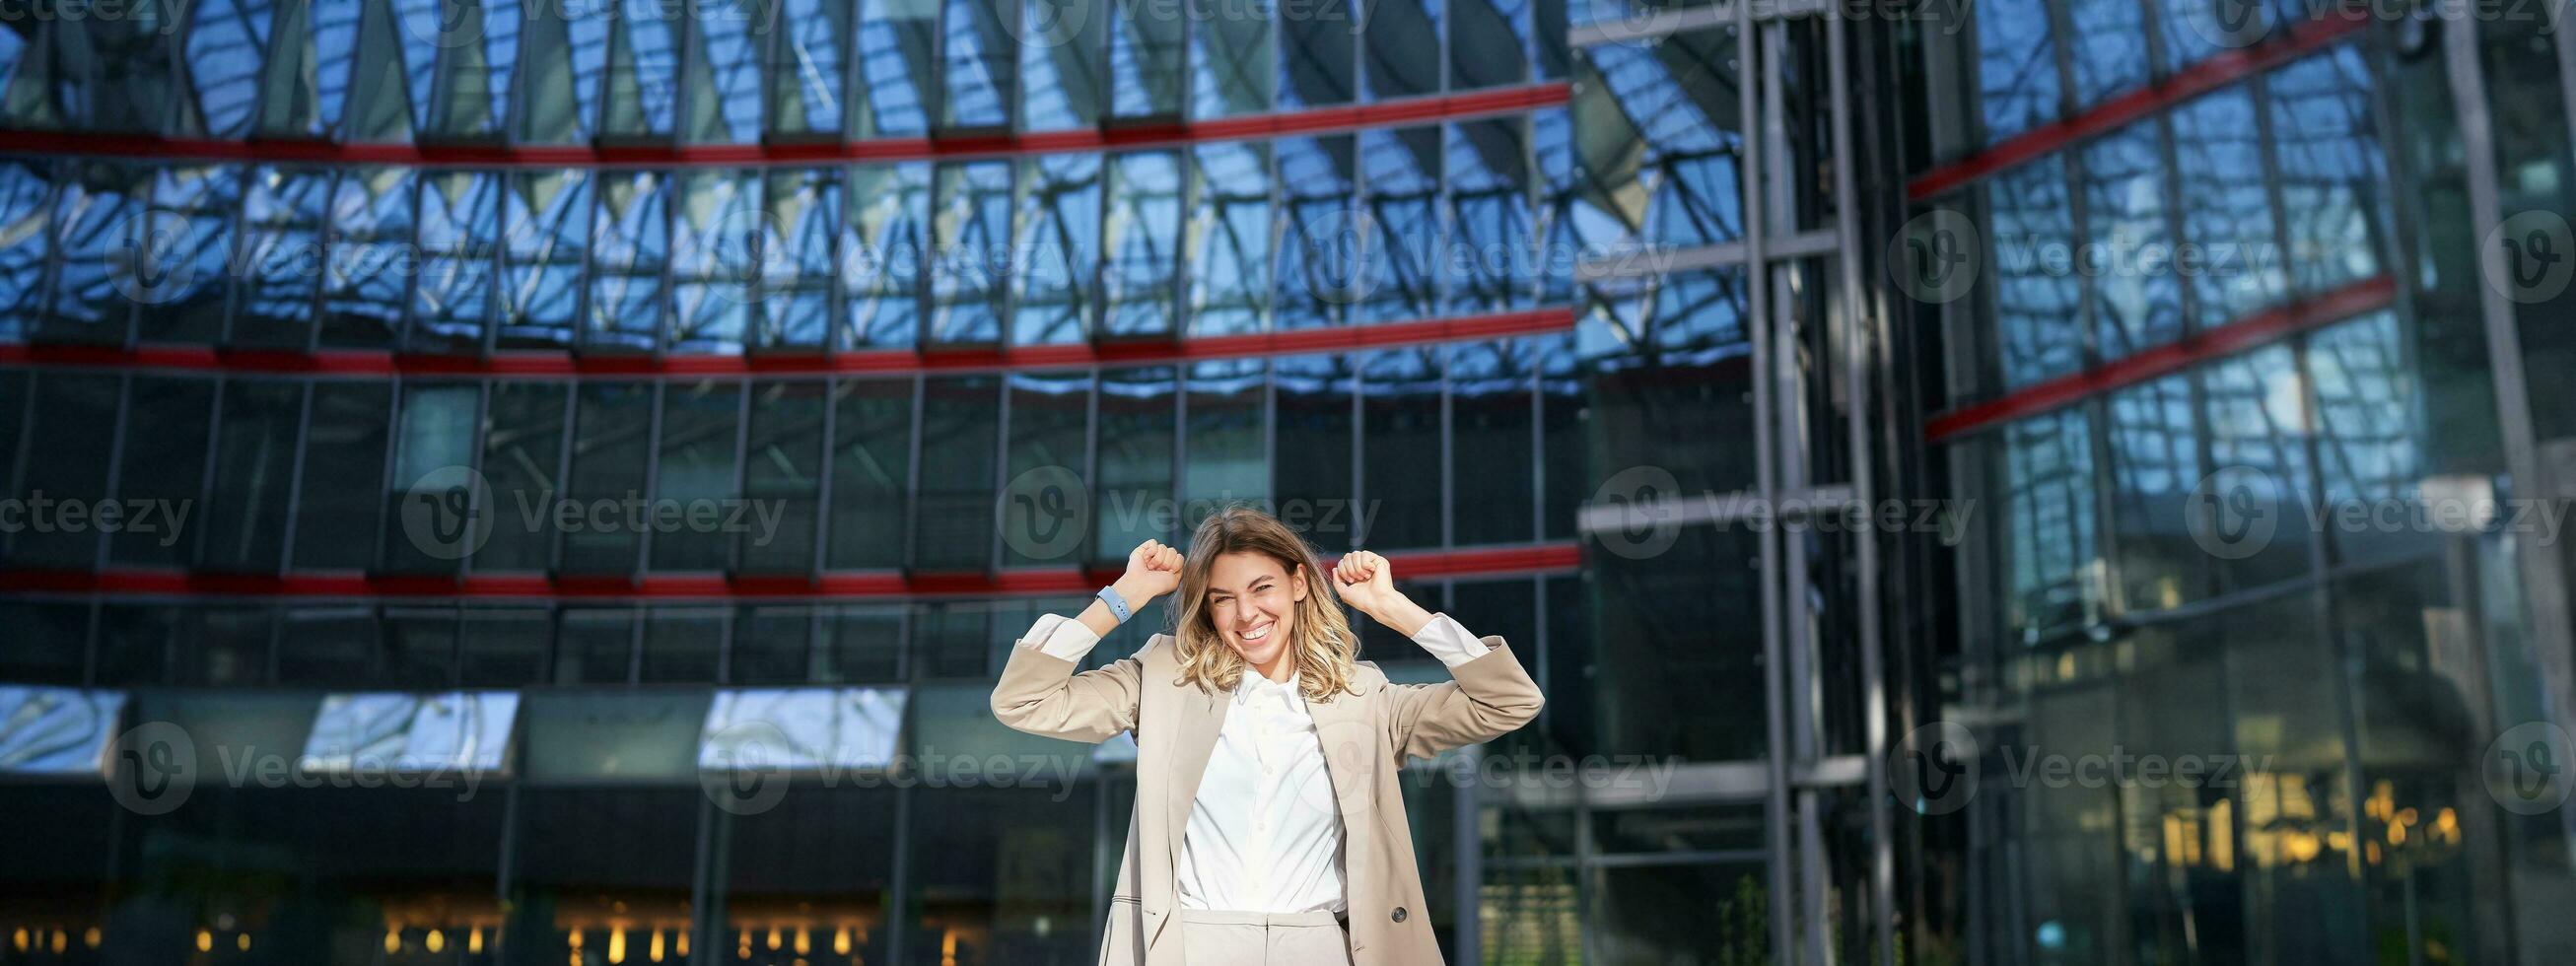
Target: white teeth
x,y
1259,634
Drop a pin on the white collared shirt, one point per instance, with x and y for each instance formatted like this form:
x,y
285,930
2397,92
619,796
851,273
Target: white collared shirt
x,y
1263,835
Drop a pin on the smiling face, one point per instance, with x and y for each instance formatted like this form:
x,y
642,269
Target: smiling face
x,y
1252,600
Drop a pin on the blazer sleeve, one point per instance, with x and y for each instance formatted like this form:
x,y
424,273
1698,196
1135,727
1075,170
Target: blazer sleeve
x,y
1490,697
1040,694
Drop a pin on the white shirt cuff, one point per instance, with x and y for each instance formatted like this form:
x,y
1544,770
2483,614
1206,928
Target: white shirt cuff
x,y
1449,642
1060,636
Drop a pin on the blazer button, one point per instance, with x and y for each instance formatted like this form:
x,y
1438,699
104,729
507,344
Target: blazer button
x,y
1399,913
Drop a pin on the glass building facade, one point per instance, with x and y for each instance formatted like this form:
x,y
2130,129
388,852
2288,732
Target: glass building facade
x,y
552,392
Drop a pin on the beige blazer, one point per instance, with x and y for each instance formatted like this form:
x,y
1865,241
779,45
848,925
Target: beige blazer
x,y
1365,738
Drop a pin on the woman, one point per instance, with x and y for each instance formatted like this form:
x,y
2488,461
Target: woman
x,y
1269,812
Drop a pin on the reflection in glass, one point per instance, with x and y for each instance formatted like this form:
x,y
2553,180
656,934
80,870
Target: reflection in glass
x,y
57,731
1229,240
1053,262
2137,303
872,430
382,732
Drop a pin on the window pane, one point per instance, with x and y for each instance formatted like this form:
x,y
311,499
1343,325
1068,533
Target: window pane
x,y
897,44
362,289
254,462
594,646
979,68
681,645
283,214
597,863
612,442
694,489
1490,261
1054,262
459,232
1133,463
1230,68
960,436
419,648
66,457
1059,45
807,66
1403,39
2334,179
1315,396
2035,306
186,243
2016,67
2155,465
995,867
862,644
504,648
547,216
713,229
337,508
821,856
49,642
472,81
1646,411
1492,439
1401,403
1563,448
95,204
795,307
2109,47
971,238
2137,303
782,476
2044,534
2218,154
882,255
1146,47
724,92
1661,121
523,454
2258,441
1488,43
433,443
1401,279
162,468
771,645
1318,56
1050,416
333,647
871,472
1227,456
629,246
1229,240
26,188
136,643
1320,231
1142,244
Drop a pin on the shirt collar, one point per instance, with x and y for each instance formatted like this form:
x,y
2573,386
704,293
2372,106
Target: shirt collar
x,y
1254,683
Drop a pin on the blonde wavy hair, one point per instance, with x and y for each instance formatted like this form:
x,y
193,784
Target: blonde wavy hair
x,y
1326,650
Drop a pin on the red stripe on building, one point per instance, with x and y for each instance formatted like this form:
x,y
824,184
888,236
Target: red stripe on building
x,y
2234,337
2219,70
560,364
1415,110
130,582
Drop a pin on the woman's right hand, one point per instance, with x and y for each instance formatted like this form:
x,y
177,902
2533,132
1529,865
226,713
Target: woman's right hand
x,y
1152,571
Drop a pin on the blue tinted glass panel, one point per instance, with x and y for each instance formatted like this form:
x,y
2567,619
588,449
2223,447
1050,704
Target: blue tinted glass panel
x,y
971,244
883,253
2227,217
2334,175
1054,260
2016,67
714,225
2137,296
1142,243
546,218
1318,261
1400,277
2036,299
1229,239
629,244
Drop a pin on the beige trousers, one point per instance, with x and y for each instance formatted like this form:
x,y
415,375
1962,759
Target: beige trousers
x,y
1224,937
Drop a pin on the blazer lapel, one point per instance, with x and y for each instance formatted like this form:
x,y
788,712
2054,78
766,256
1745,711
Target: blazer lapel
x,y
1203,715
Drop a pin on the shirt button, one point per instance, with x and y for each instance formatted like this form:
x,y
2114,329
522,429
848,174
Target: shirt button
x,y
1399,914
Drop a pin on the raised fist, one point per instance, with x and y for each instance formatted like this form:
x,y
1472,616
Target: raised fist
x,y
1152,570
